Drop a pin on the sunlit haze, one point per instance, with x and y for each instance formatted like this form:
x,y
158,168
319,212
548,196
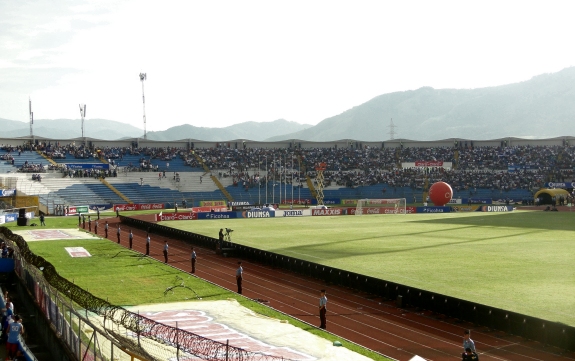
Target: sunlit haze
x,y
217,63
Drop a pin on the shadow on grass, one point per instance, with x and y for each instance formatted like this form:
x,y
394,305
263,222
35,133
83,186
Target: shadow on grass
x,y
328,253
552,221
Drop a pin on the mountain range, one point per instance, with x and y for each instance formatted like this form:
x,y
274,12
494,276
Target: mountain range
x,y
542,107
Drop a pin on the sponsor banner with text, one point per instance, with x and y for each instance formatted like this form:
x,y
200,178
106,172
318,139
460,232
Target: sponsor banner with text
x,y
218,215
464,208
433,209
101,207
328,201
422,163
138,207
455,201
257,214
8,192
478,200
180,216
88,166
209,209
381,210
10,217
559,185
294,213
213,203
328,212
78,209
234,204
296,201
349,202
496,209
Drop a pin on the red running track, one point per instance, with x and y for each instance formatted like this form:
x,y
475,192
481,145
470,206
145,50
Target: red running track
x,y
358,317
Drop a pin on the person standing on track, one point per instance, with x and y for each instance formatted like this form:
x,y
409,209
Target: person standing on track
x,y
89,224
239,277
165,251
147,244
118,233
96,227
467,342
106,229
193,260
322,309
131,238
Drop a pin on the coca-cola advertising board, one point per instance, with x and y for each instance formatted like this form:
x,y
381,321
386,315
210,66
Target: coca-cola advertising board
x,y
138,207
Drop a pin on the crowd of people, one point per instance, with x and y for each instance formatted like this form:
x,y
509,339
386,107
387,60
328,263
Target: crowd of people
x,y
501,168
495,168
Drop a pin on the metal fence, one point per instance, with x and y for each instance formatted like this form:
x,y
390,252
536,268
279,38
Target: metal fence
x,y
93,329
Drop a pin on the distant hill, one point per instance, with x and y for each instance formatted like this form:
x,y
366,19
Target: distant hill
x,y
70,128
112,130
542,107
247,130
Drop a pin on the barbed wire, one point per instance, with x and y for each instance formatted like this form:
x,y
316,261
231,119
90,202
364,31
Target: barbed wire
x,y
183,340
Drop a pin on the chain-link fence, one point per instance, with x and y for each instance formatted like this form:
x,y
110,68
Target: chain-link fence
x,y
94,329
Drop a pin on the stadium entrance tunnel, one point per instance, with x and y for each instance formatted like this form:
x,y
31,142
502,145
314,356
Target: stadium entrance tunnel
x,y
547,195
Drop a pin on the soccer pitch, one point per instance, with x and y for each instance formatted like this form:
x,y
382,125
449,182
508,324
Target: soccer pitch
x,y
520,261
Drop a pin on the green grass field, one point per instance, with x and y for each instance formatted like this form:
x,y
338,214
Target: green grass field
x,y
125,278
521,261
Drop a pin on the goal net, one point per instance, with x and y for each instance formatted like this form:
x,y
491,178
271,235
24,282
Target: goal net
x,y
380,206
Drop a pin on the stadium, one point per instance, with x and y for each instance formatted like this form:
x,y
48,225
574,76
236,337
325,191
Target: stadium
x,y
407,277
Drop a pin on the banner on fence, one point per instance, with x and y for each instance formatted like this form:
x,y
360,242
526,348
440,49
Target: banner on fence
x,y
209,209
8,192
464,208
138,207
433,209
180,216
327,212
218,215
258,214
100,207
349,202
495,209
88,166
294,213
213,203
78,209
328,201
297,201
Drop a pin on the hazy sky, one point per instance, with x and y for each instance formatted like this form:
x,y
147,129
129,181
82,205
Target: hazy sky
x,y
216,63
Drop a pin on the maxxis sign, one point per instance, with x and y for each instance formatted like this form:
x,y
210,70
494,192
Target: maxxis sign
x,y
327,212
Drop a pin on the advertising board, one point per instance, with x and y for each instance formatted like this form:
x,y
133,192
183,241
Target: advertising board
x,y
433,209
213,203
100,207
327,212
218,215
258,214
137,207
294,213
8,192
496,209
87,166
180,216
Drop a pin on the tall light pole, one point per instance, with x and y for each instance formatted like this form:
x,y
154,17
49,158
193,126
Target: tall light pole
x,y
142,78
31,119
82,114
267,179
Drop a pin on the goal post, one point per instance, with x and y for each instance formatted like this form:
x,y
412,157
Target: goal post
x,y
380,206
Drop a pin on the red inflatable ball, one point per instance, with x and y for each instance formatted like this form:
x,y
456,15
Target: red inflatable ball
x,y
440,193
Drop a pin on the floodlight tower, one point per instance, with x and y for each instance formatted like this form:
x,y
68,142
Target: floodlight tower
x,y
142,78
82,114
31,119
